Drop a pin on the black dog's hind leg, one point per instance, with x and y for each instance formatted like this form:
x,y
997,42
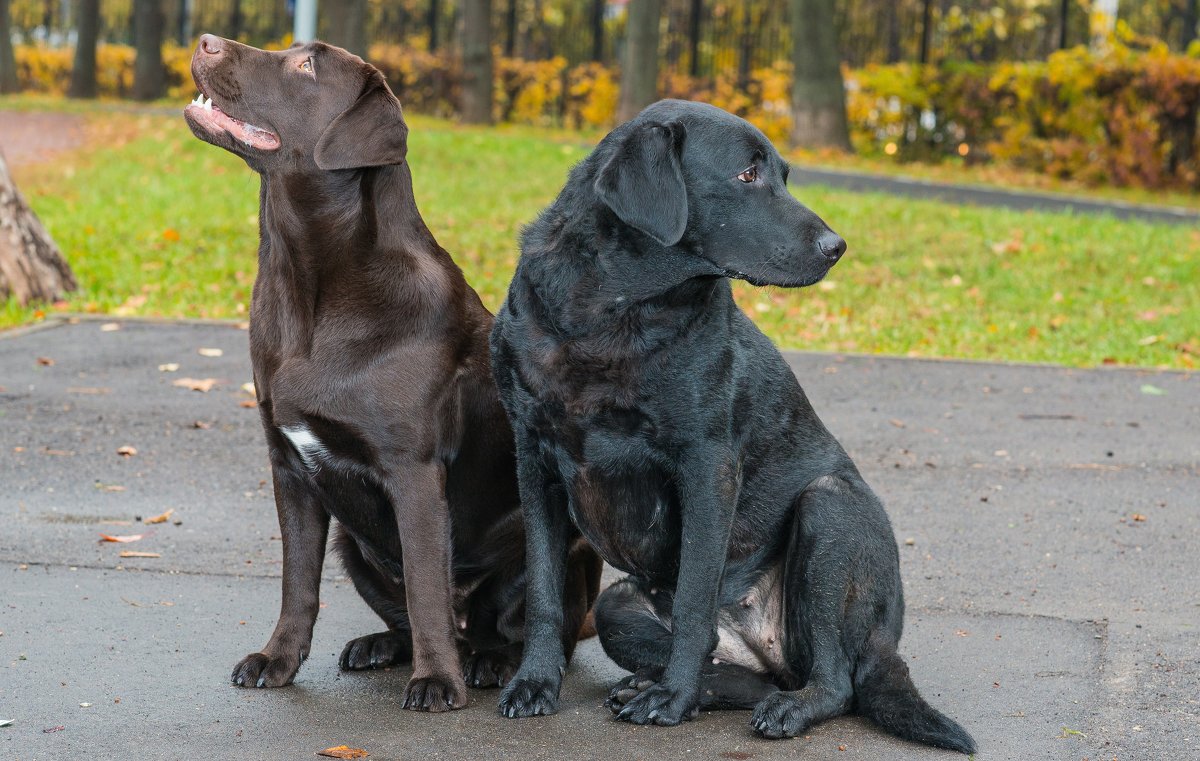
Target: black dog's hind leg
x,y
386,598
634,624
826,622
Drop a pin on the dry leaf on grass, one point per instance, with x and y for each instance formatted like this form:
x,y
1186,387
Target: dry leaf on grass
x,y
343,751
126,451
196,384
204,352
133,554
160,518
125,538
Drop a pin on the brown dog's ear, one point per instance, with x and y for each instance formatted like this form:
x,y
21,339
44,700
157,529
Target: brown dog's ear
x,y
643,181
371,132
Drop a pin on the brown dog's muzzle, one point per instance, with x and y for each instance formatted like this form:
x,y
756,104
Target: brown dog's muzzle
x,y
203,114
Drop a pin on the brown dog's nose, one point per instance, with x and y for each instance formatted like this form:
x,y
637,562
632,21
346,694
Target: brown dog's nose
x,y
832,245
211,44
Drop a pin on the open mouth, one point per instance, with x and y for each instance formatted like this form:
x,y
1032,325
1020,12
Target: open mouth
x,y
216,121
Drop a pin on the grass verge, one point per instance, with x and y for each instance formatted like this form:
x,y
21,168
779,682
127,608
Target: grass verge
x,y
158,223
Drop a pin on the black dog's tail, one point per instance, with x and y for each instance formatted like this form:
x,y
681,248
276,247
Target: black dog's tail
x,y
885,694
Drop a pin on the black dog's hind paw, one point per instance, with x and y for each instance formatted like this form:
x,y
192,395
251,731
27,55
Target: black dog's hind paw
x,y
781,715
434,694
529,697
641,700
262,670
630,687
376,651
491,668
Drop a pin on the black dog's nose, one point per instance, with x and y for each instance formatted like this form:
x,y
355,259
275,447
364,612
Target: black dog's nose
x,y
211,44
832,245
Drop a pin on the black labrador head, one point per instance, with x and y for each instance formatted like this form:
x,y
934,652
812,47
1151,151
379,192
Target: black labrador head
x,y
693,176
309,106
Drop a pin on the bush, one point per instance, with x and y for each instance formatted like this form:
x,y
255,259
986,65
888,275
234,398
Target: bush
x,y
1128,117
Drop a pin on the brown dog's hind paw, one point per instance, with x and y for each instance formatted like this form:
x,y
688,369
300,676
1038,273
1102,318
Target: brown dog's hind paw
x,y
262,670
376,651
491,668
434,694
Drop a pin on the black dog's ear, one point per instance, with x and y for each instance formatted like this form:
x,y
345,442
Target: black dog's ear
x,y
643,182
371,132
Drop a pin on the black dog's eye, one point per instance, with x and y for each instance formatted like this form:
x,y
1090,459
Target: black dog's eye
x,y
749,175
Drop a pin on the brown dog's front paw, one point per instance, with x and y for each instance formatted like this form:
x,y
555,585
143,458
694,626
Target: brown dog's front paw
x,y
491,668
435,694
262,670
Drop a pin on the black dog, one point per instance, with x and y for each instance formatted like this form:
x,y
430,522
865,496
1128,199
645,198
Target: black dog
x,y
649,410
371,368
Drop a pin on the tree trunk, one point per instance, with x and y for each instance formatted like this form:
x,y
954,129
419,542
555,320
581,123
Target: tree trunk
x,y
894,54
597,23
149,74
695,19
1191,19
235,19
83,72
926,29
510,29
435,11
31,266
639,64
476,104
8,59
818,93
345,23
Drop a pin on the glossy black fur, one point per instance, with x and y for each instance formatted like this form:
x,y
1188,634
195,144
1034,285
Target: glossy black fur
x,y
366,340
655,419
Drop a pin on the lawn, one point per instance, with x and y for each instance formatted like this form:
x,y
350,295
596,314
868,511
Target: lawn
x,y
155,222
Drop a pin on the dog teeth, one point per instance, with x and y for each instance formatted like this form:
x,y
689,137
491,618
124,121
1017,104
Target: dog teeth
x,y
208,104
199,101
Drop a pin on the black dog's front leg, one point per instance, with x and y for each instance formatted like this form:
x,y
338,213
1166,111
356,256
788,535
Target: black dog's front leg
x,y
303,526
708,488
534,689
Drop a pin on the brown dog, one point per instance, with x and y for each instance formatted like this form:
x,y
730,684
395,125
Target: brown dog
x,y
370,356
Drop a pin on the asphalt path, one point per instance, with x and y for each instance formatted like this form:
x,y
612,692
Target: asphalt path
x,y
1048,522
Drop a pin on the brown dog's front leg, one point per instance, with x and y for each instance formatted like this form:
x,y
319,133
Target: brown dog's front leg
x,y
304,526
423,517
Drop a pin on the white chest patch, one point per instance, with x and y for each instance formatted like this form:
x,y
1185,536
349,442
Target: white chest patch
x,y
307,444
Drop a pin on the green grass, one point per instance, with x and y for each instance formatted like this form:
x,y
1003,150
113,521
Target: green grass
x,y
155,222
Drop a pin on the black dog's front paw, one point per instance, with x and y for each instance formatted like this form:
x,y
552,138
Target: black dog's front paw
x,y
434,694
376,651
491,668
648,702
262,670
780,715
529,697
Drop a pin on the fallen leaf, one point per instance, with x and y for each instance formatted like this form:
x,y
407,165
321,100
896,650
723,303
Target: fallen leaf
x,y
133,554
1138,517
85,705
897,422
201,425
248,388
171,235
1001,453
163,518
45,361
110,327
210,352
962,632
126,451
343,751
48,730
109,487
248,403
6,722
204,385
169,367
125,538
1150,340
1153,390
58,452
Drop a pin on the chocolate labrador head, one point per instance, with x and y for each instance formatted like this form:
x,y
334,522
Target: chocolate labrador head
x,y
312,105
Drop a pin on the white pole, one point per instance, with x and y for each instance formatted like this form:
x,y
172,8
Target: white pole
x,y
1104,22
304,28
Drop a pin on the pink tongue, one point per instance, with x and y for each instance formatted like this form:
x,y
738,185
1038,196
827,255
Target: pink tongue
x,y
255,137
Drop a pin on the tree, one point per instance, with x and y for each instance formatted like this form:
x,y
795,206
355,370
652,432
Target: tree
x,y
476,104
31,266
818,93
149,74
597,24
346,24
1191,19
435,12
8,59
83,71
639,64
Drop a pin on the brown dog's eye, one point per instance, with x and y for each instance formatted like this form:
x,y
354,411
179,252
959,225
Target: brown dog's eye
x,y
749,175
307,66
